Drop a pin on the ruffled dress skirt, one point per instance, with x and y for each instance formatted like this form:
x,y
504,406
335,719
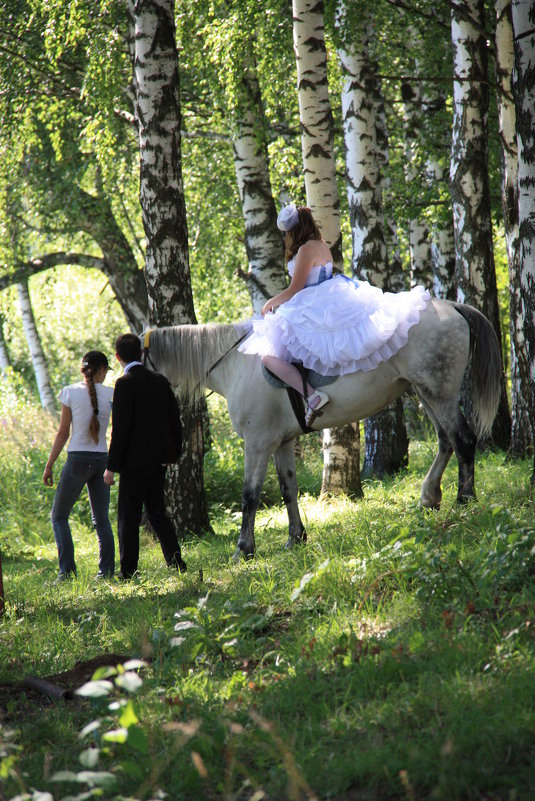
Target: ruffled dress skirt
x,y
338,326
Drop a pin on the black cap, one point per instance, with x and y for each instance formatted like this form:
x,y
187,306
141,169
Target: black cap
x,y
95,360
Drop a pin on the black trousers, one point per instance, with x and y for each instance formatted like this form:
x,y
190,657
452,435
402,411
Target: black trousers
x,y
137,488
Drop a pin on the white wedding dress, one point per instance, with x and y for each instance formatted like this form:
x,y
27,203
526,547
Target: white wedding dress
x,y
337,325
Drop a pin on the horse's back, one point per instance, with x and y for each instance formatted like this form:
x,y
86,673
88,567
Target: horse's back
x,y
436,354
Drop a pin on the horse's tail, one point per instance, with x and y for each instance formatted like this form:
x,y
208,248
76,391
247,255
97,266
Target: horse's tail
x,y
486,368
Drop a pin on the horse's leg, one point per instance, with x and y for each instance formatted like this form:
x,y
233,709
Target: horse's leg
x,y
464,444
452,430
284,458
256,463
431,495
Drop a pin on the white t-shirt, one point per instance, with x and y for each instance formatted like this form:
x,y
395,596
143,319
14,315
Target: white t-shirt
x,y
76,397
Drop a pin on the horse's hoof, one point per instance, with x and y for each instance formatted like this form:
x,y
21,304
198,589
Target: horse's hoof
x,y
430,505
463,499
291,542
240,554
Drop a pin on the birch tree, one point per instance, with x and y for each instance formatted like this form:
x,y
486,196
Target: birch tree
x,y
341,459
263,242
419,235
521,437
363,177
37,355
386,447
164,220
524,92
4,354
317,128
475,273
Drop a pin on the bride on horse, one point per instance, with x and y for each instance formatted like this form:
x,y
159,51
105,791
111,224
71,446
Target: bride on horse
x,y
325,321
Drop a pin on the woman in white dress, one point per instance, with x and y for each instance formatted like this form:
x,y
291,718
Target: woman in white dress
x,y
85,414
329,323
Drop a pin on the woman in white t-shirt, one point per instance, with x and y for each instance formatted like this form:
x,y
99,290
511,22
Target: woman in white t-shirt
x,y
86,408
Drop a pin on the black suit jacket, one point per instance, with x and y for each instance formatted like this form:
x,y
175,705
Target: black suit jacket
x,y
146,428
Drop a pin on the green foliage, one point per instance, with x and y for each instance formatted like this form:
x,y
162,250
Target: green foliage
x,y
75,311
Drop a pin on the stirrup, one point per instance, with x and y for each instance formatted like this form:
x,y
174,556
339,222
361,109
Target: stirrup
x,y
314,411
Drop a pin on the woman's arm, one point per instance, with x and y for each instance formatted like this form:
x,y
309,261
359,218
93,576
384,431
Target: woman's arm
x,y
304,262
61,438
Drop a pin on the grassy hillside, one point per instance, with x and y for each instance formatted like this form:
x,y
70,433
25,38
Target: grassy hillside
x,y
392,657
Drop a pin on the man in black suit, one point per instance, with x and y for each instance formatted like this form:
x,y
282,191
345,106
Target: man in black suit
x,y
146,436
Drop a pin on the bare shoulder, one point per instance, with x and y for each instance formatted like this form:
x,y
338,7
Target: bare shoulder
x,y
315,251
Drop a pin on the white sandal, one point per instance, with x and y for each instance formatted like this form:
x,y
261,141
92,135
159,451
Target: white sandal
x,y
315,402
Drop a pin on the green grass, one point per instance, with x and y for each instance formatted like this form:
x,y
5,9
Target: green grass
x,y
392,657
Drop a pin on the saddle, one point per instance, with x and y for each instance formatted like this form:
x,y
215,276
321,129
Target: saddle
x,y
296,399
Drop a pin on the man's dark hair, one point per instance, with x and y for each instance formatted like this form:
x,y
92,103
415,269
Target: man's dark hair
x,y
128,348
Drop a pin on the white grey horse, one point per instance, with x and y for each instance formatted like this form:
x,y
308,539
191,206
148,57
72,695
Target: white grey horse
x,y
433,361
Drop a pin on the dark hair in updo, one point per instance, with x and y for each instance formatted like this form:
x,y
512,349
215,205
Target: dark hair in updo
x,y
91,364
305,230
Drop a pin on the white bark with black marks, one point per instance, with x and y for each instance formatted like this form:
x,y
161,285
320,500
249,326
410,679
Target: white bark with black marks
x,y
164,219
363,177
419,235
468,167
524,94
317,129
35,347
366,149
263,241
161,192
4,355
521,437
469,182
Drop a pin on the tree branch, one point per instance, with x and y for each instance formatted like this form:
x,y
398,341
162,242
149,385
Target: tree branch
x,y
34,266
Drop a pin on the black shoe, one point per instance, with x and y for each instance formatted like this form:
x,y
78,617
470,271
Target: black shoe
x,y
103,576
64,577
127,576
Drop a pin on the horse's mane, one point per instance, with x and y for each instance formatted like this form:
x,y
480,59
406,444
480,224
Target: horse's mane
x,y
187,353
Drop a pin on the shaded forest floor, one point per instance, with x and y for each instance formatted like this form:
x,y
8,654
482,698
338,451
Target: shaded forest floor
x,y
392,657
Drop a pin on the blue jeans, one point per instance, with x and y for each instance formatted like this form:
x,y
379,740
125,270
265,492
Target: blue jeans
x,y
83,467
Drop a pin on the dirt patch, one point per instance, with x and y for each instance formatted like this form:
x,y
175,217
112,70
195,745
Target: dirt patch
x,y
41,692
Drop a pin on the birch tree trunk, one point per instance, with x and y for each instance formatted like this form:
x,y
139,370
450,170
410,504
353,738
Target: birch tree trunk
x,y
442,244
521,438
395,278
341,460
263,242
475,273
317,128
524,93
442,233
164,219
419,237
4,355
363,177
37,355
363,123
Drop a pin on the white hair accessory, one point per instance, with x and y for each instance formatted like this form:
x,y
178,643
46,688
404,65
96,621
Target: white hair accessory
x,y
288,217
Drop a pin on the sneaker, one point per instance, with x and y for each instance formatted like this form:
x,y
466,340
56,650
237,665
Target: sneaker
x,y
315,402
103,576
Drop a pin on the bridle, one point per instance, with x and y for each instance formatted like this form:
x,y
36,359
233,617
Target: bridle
x,y
147,358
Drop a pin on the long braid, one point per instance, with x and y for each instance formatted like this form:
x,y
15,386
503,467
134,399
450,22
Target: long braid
x,y
94,425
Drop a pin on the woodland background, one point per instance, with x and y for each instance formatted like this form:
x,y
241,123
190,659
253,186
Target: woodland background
x,y
151,147
145,149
